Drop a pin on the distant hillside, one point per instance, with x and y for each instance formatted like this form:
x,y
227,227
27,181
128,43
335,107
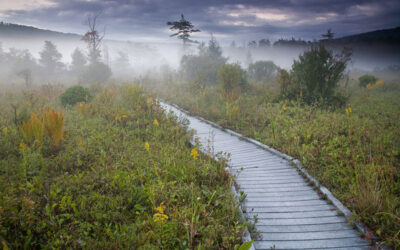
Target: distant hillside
x,y
387,36
12,31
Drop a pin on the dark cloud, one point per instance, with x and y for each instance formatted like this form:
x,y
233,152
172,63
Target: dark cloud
x,y
229,20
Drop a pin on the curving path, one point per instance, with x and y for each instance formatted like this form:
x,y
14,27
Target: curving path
x,y
290,213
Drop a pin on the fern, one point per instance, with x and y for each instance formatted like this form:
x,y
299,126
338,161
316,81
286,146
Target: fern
x,y
54,124
32,130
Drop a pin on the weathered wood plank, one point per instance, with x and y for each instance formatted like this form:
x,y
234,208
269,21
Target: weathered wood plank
x,y
303,228
306,221
293,215
304,244
340,234
281,198
283,209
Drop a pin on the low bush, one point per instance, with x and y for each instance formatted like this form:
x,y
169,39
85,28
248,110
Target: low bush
x,y
232,81
75,94
364,80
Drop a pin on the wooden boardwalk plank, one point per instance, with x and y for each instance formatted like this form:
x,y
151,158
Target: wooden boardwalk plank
x,y
340,234
310,244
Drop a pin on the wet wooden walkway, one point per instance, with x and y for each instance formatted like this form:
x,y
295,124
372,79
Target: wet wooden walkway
x,y
291,214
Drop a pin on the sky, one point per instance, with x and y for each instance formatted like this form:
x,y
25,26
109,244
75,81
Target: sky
x,y
228,20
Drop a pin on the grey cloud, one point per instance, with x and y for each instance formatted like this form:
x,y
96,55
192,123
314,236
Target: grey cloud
x,y
136,18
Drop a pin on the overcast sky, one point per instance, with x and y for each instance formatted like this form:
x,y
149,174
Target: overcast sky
x,y
240,20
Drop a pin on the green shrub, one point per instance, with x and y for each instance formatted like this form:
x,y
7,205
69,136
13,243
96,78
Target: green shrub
x,y
74,95
262,70
232,79
364,80
316,74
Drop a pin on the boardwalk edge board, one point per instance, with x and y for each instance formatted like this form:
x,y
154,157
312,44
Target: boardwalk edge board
x,y
364,230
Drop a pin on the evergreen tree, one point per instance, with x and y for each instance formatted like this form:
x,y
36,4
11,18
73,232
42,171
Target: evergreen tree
x,y
183,29
78,61
50,58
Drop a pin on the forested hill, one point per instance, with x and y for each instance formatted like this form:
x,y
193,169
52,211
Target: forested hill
x,y
10,30
388,36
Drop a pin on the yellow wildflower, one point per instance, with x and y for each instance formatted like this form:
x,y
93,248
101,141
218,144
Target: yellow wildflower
x,y
81,104
22,147
5,130
161,208
379,83
157,217
348,110
284,107
148,100
147,146
155,123
194,153
124,116
118,118
160,216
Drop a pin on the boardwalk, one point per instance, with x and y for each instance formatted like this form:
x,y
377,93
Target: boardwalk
x,y
291,215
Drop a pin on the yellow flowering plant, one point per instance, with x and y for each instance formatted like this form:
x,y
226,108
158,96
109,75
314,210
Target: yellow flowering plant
x,y
160,216
194,153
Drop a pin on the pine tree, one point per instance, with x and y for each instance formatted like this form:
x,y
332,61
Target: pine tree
x,y
183,29
50,58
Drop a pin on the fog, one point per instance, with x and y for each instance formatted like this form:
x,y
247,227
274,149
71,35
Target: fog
x,y
20,59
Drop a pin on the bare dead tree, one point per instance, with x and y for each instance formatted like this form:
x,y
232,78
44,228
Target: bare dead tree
x,y
93,39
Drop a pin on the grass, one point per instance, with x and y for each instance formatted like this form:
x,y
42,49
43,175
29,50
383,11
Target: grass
x,y
123,176
353,150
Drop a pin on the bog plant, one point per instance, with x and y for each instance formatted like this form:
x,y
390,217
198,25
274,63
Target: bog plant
x,y
74,95
50,121
32,130
54,124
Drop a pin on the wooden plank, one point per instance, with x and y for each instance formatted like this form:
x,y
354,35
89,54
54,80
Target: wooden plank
x,y
340,234
304,244
293,215
269,181
243,175
303,228
274,190
273,185
305,221
283,209
300,197
284,203
267,169
283,194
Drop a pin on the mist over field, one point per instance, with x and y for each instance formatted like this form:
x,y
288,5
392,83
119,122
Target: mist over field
x,y
131,60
